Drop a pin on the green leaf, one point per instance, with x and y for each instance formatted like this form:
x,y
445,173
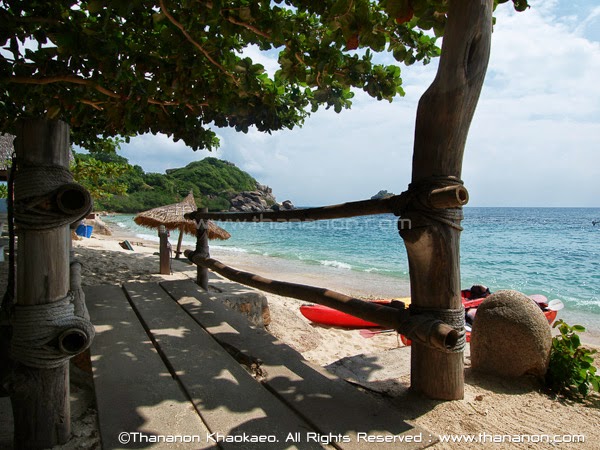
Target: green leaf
x,y
571,371
520,5
133,70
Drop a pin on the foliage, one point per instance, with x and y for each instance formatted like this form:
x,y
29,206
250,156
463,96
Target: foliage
x,y
212,181
121,68
137,201
218,203
214,176
3,190
571,371
98,177
102,172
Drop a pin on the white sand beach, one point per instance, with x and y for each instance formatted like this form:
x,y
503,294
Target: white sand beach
x,y
491,407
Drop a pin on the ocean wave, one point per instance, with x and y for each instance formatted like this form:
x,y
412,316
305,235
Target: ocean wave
x,y
336,264
379,270
229,249
148,237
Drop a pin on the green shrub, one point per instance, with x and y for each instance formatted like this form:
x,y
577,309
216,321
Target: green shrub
x,y
217,204
571,371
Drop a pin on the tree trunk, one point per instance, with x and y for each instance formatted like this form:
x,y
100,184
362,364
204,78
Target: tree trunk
x,y
443,118
202,249
40,397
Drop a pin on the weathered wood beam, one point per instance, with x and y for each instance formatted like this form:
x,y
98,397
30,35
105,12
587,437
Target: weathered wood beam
x,y
450,196
40,397
350,209
444,115
418,328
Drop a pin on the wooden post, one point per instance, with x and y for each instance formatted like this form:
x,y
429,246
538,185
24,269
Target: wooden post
x,y
163,249
443,118
178,252
202,250
40,397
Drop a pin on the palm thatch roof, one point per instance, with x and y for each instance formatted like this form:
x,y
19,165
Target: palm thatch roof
x,y
171,216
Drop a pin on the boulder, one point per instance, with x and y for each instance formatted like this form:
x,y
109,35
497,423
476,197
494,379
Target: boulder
x,y
259,200
287,205
382,194
100,227
511,336
250,201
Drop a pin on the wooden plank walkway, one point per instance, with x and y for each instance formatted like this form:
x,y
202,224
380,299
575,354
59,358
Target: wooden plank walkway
x,y
169,360
134,390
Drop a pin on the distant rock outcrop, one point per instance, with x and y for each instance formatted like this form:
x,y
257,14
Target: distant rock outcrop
x,y
284,206
261,199
382,194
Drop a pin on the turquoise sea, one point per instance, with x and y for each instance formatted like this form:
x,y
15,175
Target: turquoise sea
x,y
552,251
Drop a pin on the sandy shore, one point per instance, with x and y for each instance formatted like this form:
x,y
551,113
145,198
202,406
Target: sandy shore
x,y
490,407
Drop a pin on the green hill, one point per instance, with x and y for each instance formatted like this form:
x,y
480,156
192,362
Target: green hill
x,y
213,181
213,176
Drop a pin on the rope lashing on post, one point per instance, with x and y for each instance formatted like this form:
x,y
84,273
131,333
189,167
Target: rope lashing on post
x,y
46,197
46,336
78,294
419,201
453,317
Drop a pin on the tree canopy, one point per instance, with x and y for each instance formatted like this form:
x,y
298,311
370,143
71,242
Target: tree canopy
x,y
129,67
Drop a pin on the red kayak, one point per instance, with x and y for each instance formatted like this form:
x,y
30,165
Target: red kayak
x,y
471,299
328,316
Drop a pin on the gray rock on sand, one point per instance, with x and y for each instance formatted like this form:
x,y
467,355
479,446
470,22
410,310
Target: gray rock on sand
x,y
511,336
100,227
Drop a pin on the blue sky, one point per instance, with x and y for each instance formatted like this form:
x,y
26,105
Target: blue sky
x,y
534,141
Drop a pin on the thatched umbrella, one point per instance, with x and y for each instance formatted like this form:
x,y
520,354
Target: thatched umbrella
x,y
171,216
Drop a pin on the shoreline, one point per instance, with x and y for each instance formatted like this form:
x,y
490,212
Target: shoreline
x,y
345,281
367,285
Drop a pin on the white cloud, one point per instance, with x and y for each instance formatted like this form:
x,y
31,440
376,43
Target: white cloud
x,y
536,132
157,153
534,140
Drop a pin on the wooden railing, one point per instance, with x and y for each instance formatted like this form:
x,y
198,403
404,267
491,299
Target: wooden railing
x,y
419,327
447,197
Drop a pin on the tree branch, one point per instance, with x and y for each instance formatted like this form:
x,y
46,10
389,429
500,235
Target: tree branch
x,y
63,79
45,20
194,43
95,105
255,30
81,81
